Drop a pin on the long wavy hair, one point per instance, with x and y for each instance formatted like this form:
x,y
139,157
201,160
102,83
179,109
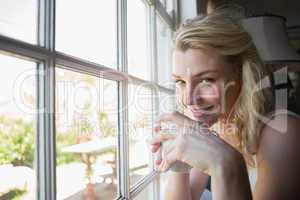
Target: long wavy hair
x,y
222,32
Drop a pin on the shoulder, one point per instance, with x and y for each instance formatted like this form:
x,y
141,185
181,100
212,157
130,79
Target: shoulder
x,y
280,139
278,159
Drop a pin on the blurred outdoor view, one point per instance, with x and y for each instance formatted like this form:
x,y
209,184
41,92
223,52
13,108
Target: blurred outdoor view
x,y
17,128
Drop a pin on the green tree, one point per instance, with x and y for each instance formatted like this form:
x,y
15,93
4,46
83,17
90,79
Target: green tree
x,y
17,142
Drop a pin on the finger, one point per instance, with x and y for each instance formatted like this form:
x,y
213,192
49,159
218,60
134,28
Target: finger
x,y
157,128
161,165
154,148
158,161
170,159
161,138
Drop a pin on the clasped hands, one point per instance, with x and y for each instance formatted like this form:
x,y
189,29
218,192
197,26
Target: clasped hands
x,y
193,145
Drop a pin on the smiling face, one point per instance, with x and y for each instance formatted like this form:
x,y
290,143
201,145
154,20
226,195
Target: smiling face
x,y
206,85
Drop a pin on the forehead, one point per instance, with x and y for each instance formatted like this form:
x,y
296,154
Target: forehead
x,y
195,61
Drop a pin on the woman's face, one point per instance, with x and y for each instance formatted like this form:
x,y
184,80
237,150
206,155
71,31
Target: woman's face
x,y
206,86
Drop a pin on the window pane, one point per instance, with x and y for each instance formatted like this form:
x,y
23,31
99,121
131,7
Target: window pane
x,y
137,39
140,128
86,136
146,194
17,129
166,103
18,19
87,30
164,44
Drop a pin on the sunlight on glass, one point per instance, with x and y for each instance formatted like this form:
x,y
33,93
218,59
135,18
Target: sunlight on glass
x,y
18,19
140,128
86,136
137,40
87,30
17,129
164,45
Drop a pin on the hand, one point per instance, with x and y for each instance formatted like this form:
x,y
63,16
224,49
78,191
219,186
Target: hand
x,y
194,145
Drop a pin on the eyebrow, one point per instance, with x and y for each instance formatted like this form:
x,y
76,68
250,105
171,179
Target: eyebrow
x,y
199,74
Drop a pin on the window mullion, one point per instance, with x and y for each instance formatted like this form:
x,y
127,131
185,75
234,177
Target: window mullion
x,y
46,104
123,137
155,102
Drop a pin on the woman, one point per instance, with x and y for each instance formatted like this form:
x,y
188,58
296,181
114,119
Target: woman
x,y
218,72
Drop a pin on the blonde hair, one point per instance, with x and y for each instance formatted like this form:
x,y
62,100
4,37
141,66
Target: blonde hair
x,y
222,32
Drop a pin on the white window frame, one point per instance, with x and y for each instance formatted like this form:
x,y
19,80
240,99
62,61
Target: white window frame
x,y
47,58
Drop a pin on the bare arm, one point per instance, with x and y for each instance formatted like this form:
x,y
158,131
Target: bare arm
x,y
230,181
279,160
278,166
185,186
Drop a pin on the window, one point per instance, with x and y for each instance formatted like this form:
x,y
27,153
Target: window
x,y
83,84
86,135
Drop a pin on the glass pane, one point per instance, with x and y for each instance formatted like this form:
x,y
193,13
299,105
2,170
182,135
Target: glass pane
x,y
17,128
140,128
86,136
146,194
87,30
164,45
166,103
18,19
137,39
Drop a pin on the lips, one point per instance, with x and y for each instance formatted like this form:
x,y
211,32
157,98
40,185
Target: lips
x,y
197,112
201,109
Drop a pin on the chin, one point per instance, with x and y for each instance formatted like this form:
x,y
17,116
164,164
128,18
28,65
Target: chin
x,y
207,119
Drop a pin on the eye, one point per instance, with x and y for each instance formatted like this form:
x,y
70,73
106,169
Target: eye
x,y
179,81
207,81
